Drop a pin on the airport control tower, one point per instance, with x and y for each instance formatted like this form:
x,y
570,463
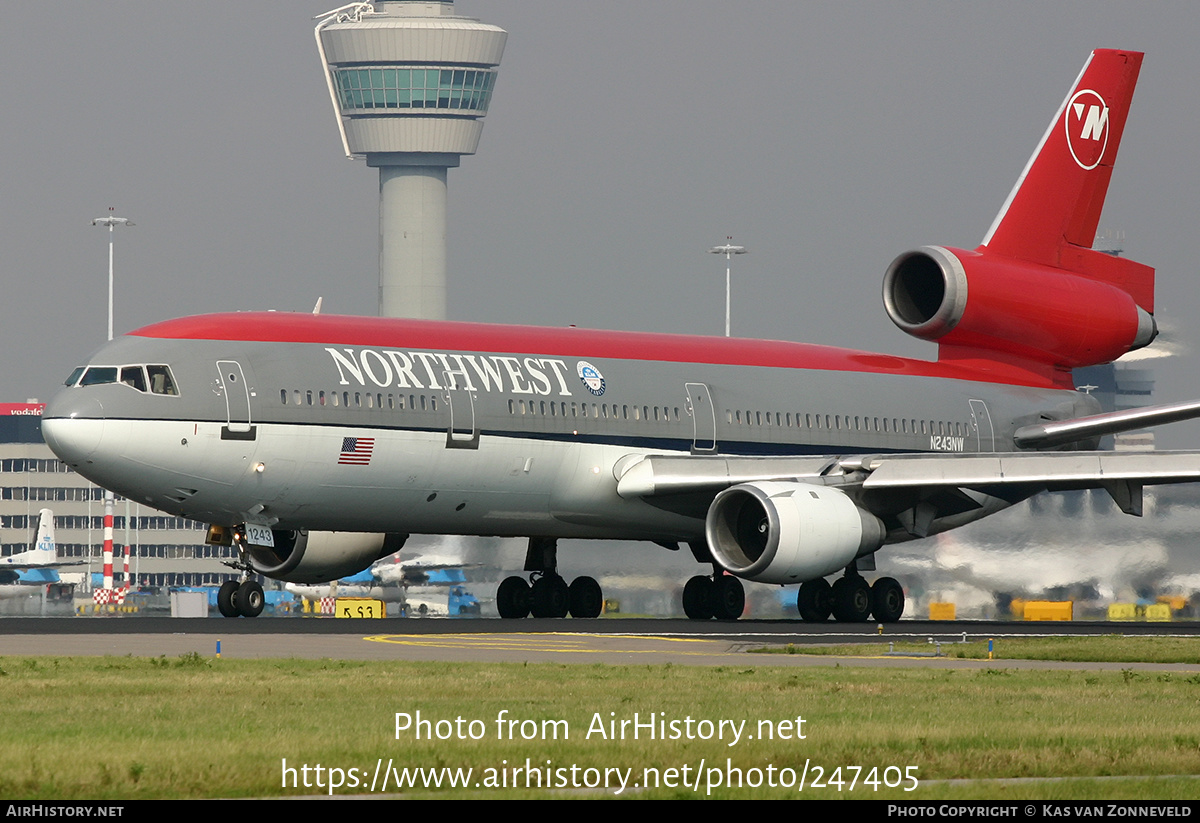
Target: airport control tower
x,y
410,82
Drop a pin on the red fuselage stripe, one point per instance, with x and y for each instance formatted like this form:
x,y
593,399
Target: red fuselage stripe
x,y
378,332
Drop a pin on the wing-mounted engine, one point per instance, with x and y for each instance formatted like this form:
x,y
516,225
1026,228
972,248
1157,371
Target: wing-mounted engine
x,y
973,302
317,557
788,532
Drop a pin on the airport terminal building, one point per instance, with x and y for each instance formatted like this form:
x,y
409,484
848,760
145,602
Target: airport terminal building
x,y
164,550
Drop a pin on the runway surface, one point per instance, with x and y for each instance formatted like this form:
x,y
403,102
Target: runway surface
x,y
621,641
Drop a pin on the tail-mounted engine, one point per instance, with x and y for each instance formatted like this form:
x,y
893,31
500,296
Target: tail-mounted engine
x,y
318,557
972,302
781,532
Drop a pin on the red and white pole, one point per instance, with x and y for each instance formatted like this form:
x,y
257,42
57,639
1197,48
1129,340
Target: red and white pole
x,y
108,540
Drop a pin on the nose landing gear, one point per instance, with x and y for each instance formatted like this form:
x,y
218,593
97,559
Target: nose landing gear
x,y
244,597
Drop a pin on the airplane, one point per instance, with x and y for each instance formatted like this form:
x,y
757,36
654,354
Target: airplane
x,y
422,569
316,444
439,594
363,584
389,580
26,572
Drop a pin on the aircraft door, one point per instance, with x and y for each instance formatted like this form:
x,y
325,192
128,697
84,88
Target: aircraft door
x,y
236,391
704,418
461,431
981,422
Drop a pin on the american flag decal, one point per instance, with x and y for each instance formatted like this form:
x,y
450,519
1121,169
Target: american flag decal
x,y
356,451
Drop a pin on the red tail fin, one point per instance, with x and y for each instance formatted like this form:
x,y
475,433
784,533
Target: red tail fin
x,y
1035,296
1052,213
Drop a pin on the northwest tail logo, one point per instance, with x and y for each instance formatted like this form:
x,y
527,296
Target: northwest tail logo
x,y
1087,128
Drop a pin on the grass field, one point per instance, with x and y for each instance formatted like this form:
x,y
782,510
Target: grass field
x,y
195,727
1110,649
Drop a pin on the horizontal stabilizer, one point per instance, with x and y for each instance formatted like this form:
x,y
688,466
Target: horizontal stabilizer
x,y
1057,432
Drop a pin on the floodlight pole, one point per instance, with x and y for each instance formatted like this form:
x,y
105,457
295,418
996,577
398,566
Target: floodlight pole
x,y
728,250
112,222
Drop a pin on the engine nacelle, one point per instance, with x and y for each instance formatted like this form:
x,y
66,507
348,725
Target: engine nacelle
x,y
980,301
318,557
780,532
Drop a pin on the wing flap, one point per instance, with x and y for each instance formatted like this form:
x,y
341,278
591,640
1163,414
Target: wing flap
x,y
1067,469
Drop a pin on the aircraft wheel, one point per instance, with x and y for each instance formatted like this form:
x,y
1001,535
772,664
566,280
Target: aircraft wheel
x,y
587,600
227,599
814,601
851,600
729,598
549,596
887,600
512,598
698,597
250,599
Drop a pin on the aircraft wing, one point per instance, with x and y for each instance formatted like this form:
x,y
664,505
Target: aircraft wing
x,y
1055,470
1122,474
54,564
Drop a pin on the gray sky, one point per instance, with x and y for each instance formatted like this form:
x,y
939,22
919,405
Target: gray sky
x,y
624,139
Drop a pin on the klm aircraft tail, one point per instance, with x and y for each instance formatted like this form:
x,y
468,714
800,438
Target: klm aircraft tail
x,y
44,552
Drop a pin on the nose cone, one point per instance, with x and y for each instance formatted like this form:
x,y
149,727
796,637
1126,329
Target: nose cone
x,y
72,426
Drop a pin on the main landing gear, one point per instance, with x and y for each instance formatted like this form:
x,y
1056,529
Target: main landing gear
x,y
719,595
547,595
851,599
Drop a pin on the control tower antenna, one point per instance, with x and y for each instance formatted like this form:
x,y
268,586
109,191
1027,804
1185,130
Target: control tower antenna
x,y
410,83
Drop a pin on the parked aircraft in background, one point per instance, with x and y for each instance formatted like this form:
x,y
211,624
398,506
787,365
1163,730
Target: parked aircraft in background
x,y
29,571
317,443
363,584
430,576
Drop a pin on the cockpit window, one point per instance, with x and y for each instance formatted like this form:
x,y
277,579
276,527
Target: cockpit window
x,y
96,375
161,381
134,376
